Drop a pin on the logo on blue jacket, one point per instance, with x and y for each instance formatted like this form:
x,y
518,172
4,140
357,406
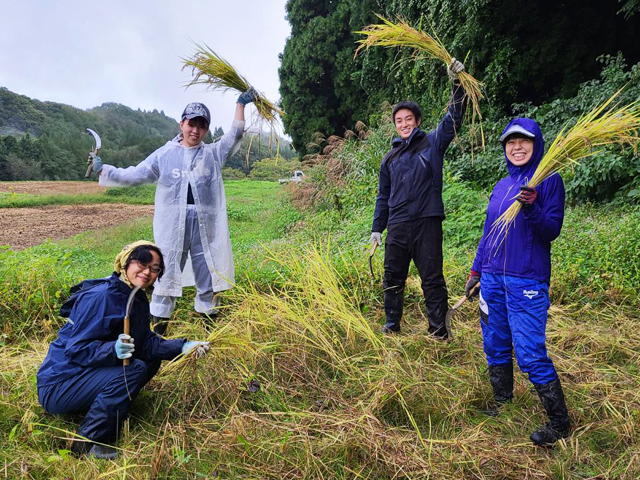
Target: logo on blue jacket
x,y
530,293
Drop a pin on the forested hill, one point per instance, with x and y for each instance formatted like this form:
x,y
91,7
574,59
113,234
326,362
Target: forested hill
x,y
48,140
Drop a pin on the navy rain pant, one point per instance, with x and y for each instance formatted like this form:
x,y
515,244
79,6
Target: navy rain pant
x,y
420,240
517,316
102,394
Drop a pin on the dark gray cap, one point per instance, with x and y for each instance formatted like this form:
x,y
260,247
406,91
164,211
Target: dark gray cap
x,y
196,109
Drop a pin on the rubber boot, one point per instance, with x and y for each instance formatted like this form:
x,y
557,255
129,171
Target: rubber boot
x,y
559,425
501,378
393,304
159,325
90,449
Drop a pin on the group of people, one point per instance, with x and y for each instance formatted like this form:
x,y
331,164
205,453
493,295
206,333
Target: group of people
x,y
84,370
513,271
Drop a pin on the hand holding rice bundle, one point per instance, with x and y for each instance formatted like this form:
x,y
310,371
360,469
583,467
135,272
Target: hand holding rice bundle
x,y
600,127
401,34
210,69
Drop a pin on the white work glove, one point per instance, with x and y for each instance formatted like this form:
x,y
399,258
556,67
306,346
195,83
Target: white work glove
x,y
124,346
199,349
454,68
376,237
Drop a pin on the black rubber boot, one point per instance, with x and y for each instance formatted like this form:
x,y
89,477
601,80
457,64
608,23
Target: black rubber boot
x,y
559,425
90,449
501,378
159,325
393,305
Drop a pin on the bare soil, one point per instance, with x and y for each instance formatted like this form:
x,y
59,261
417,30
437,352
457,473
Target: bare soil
x,y
51,188
25,227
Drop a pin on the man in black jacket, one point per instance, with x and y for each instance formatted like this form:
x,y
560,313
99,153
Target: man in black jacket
x,y
409,205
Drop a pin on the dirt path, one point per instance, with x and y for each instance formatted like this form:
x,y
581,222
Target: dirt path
x,y
24,227
51,188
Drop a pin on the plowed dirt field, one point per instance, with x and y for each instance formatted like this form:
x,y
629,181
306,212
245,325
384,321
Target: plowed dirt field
x,y
24,227
51,188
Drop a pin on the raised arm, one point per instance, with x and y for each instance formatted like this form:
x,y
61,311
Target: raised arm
x,y
442,136
230,141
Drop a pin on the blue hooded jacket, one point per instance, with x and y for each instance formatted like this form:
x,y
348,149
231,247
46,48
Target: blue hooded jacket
x,y
525,252
95,314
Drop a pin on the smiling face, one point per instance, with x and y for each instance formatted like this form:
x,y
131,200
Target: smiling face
x,y
193,131
405,122
518,150
144,274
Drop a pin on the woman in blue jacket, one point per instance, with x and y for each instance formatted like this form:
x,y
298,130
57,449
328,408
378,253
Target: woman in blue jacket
x,y
515,270
83,371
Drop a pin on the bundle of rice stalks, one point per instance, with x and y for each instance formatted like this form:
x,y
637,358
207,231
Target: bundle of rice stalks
x,y
598,128
210,69
401,34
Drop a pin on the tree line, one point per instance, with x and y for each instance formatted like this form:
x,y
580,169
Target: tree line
x,y
524,51
48,140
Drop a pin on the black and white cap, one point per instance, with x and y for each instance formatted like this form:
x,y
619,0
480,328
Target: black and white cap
x,y
516,129
196,109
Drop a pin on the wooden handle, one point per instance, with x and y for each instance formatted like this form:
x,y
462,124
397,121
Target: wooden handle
x,y
374,248
127,331
89,168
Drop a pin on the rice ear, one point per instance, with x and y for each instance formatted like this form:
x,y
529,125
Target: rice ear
x,y
210,69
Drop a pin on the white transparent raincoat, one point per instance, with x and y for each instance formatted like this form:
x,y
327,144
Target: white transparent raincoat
x,y
174,167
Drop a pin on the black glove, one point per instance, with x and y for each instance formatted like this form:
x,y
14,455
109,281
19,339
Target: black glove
x,y
527,196
474,279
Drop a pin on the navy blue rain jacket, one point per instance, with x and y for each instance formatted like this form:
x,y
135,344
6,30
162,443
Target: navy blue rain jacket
x,y
95,315
410,185
525,252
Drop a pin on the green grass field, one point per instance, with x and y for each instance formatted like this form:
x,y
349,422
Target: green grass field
x,y
336,400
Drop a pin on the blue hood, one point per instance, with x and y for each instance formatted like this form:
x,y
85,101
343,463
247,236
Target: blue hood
x,y
527,170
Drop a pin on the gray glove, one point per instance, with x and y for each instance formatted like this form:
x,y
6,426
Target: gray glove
x,y
200,348
376,237
124,345
97,162
247,97
454,68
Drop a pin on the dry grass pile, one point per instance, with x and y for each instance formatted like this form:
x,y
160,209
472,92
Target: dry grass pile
x,y
300,384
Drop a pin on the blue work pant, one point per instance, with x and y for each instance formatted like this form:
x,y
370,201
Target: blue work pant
x,y
517,318
101,393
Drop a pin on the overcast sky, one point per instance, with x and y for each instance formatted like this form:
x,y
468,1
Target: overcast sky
x,y
86,53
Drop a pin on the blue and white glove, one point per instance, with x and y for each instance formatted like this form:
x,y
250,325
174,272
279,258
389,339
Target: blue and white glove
x,y
247,97
124,346
97,162
198,349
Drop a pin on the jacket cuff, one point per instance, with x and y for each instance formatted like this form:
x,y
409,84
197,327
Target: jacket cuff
x,y
475,273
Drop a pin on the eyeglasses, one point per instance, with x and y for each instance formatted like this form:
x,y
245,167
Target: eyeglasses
x,y
152,268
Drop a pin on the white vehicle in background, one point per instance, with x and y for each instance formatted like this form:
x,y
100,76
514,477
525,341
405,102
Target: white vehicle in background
x,y
298,175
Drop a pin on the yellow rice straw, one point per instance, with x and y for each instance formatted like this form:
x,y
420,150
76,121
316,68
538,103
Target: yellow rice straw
x,y
598,128
401,34
210,69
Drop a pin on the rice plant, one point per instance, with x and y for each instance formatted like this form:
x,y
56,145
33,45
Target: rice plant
x,y
602,126
403,35
210,69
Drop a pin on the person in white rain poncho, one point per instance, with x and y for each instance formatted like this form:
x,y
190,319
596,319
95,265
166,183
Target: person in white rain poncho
x,y
190,207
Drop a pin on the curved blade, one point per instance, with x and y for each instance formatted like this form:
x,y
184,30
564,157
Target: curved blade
x,y
96,138
130,300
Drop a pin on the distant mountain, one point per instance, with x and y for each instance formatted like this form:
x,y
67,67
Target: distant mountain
x,y
48,140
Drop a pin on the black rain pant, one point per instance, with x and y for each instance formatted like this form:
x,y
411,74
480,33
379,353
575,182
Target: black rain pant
x,y
420,241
